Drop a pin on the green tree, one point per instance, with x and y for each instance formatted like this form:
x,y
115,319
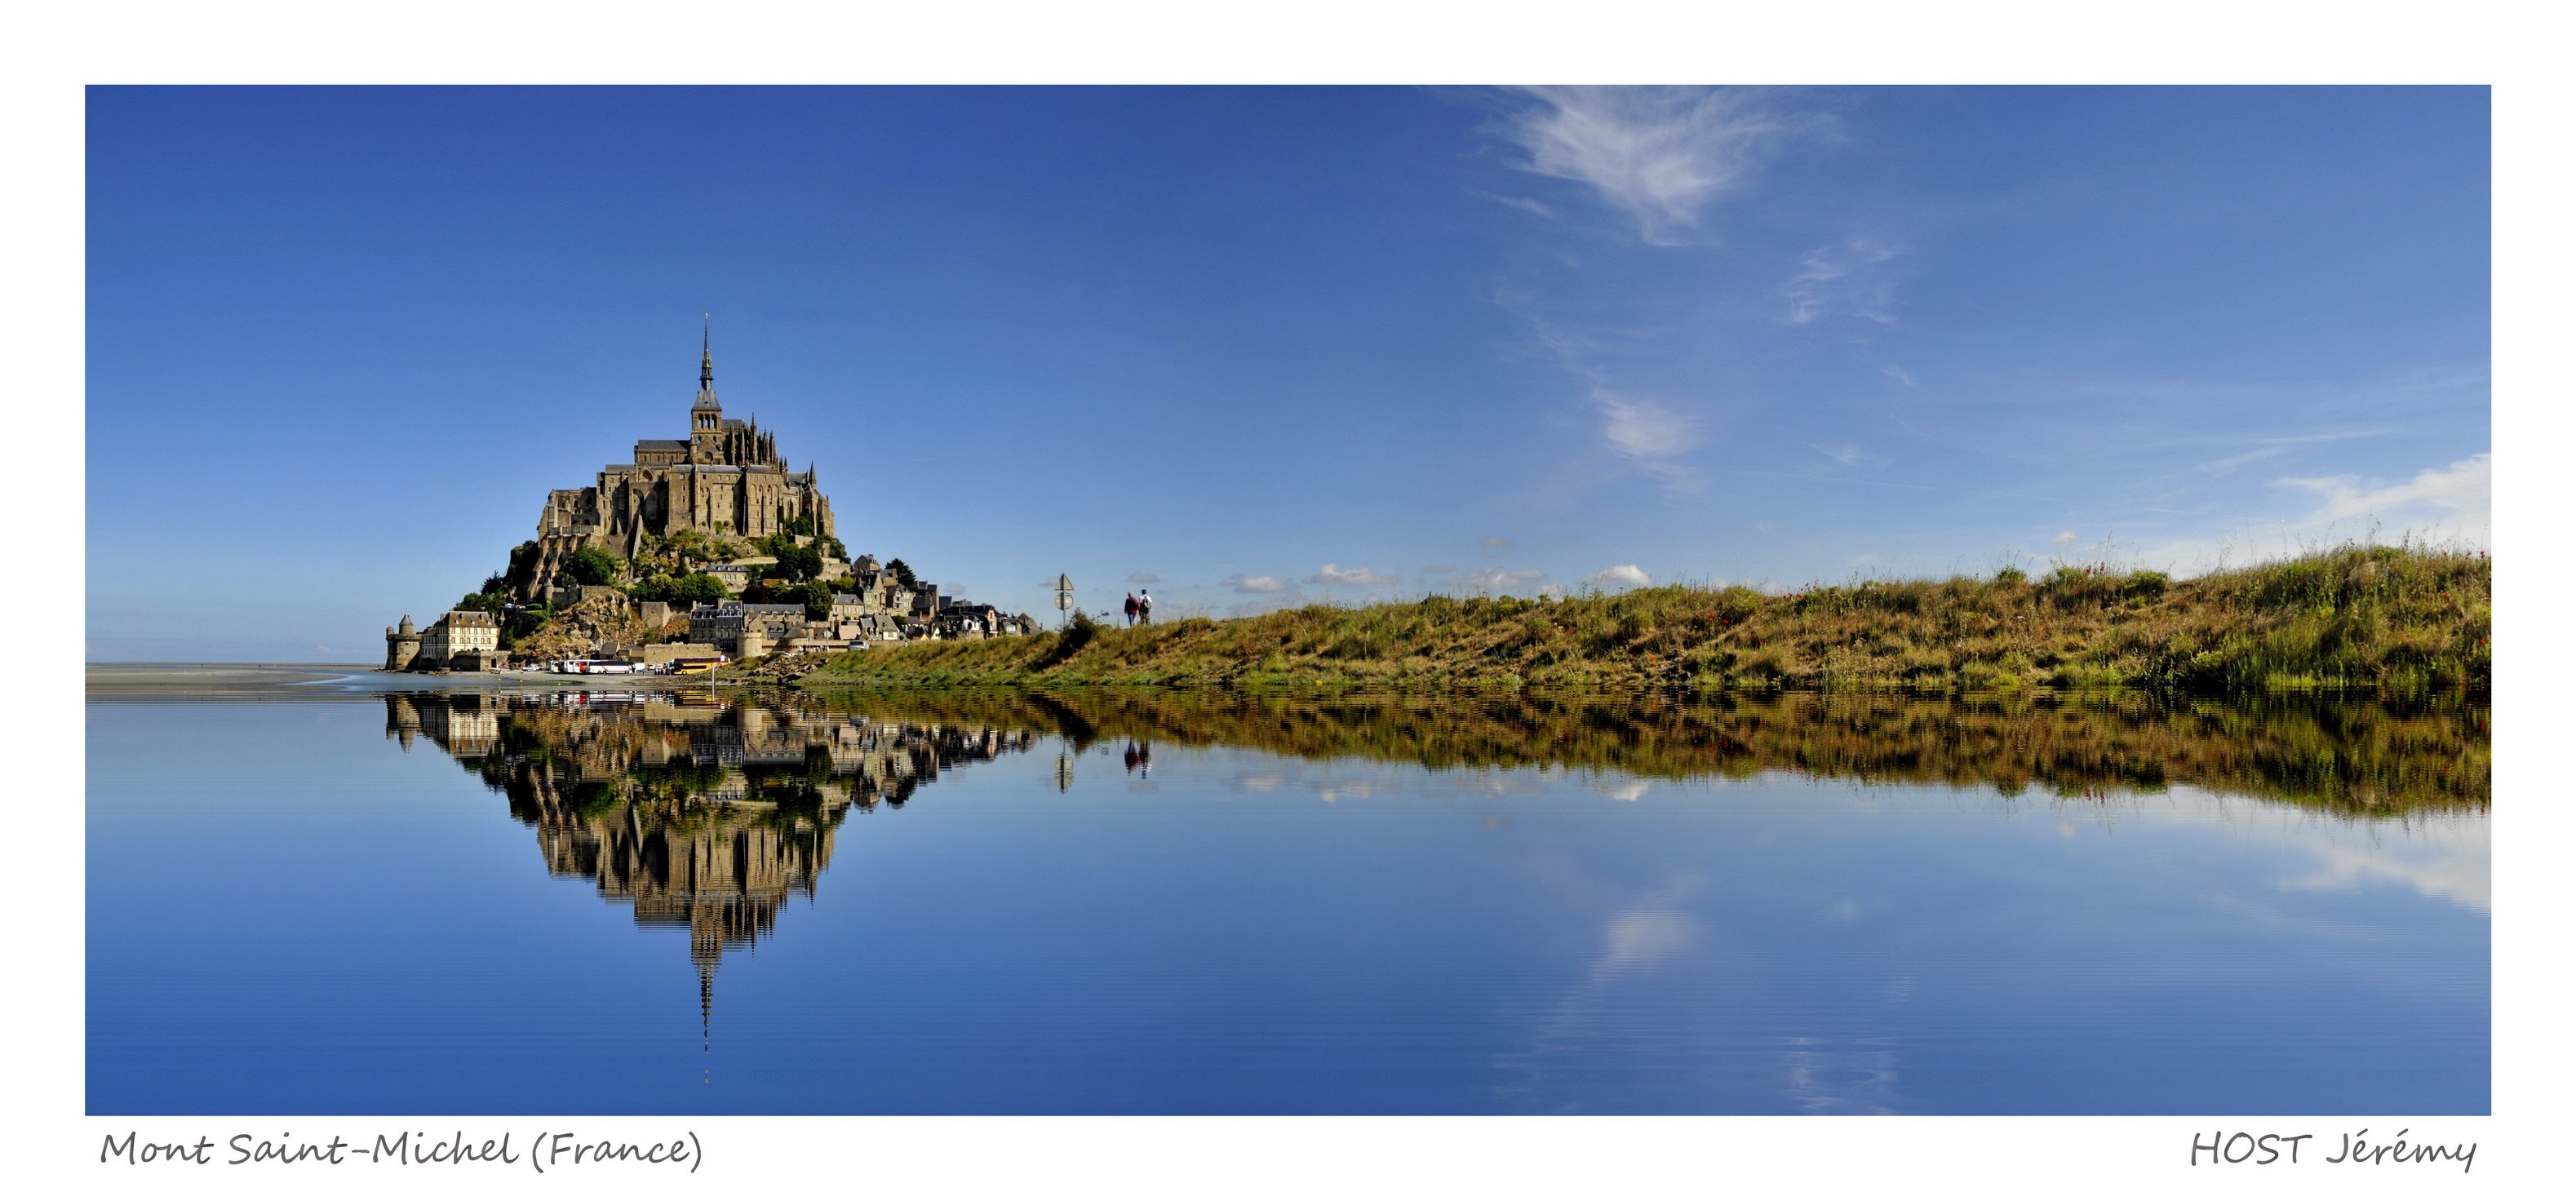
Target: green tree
x,y
697,588
800,562
817,596
591,565
902,573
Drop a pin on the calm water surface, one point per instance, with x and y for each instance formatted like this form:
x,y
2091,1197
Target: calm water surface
x,y
337,901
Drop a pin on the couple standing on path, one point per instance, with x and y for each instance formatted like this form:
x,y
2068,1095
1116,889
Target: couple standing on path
x,y
1140,608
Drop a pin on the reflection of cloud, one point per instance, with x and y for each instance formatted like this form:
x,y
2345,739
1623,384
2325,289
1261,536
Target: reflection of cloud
x,y
2462,874
1620,790
1643,936
1859,1077
1357,790
2444,856
1256,782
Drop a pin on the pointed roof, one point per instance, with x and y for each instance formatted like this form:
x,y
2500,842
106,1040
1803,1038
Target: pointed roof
x,y
707,371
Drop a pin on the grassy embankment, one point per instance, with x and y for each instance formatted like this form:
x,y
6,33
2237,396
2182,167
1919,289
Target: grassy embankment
x,y
2377,619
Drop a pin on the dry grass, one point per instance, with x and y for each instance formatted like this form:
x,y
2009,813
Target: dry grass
x,y
2395,621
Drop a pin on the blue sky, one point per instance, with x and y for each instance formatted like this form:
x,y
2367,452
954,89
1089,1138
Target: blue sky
x,y
1268,346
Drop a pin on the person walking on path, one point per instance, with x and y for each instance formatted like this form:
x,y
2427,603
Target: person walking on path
x,y
1144,608
1131,609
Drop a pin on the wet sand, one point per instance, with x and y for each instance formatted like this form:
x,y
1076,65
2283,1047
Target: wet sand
x,y
306,681
185,678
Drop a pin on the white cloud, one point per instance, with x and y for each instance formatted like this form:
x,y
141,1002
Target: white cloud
x,y
1495,543
1851,276
1894,372
1254,584
1626,575
1495,579
1332,573
2064,538
1662,155
1143,577
2463,488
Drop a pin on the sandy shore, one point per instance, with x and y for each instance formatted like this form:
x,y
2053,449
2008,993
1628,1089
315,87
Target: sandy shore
x,y
209,677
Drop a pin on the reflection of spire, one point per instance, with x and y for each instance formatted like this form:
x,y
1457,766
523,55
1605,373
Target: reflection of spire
x,y
706,1004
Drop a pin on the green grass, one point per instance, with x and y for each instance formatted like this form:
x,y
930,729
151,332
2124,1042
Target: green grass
x,y
2393,621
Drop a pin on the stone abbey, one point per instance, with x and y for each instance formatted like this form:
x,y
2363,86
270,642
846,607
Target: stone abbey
x,y
715,542
724,480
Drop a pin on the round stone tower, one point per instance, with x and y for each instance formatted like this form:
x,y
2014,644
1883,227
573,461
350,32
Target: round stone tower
x,y
402,645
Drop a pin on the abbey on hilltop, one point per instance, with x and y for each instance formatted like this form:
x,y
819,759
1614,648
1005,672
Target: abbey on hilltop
x,y
725,480
702,547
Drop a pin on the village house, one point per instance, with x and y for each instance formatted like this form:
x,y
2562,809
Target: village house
x,y
746,630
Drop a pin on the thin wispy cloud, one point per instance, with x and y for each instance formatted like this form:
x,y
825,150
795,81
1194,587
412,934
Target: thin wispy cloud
x,y
2064,538
1661,155
1849,277
1649,434
1491,544
1849,455
1440,569
1523,203
1331,573
1894,372
2265,448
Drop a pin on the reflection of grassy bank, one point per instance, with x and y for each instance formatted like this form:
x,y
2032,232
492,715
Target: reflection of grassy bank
x,y
2381,619
2360,758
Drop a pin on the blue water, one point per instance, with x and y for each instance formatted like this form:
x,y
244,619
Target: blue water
x,y
292,911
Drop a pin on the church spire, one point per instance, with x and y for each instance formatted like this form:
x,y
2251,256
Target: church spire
x,y
706,416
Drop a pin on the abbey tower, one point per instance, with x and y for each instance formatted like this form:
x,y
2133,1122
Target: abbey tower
x,y
726,479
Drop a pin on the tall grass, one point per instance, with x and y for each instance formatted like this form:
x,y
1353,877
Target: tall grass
x,y
2390,620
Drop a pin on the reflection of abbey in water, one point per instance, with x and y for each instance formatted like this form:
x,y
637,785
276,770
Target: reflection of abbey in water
x,y
703,813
